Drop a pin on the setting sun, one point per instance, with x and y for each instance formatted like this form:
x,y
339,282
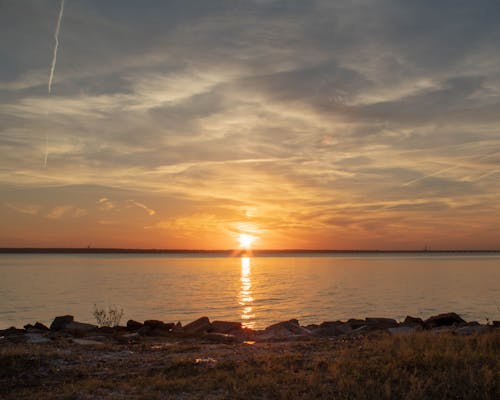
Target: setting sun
x,y
246,240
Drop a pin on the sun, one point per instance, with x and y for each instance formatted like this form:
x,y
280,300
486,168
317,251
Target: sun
x,y
246,240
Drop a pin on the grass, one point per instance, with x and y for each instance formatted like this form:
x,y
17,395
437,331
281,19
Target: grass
x,y
423,366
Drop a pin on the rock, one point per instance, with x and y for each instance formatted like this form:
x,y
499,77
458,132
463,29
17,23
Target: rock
x,y
225,326
413,321
153,323
40,326
332,328
220,337
60,322
28,327
178,328
133,337
201,325
447,319
133,325
284,330
471,330
12,331
86,342
496,324
79,328
381,323
403,330
36,338
356,323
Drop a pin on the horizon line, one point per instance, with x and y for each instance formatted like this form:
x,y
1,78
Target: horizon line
x,y
238,251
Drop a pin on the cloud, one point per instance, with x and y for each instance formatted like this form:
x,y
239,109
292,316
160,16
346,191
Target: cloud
x,y
66,211
317,107
24,208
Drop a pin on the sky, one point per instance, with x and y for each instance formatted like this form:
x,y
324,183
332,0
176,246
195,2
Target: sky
x,y
306,124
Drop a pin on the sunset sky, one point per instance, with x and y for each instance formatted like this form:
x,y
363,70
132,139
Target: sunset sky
x,y
306,124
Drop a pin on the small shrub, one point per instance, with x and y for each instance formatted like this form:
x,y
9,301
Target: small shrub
x,y
110,317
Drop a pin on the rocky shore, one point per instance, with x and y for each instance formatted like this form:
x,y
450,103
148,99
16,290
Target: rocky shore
x,y
441,357
66,328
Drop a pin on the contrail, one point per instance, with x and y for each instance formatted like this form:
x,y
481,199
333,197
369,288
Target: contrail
x,y
56,46
51,75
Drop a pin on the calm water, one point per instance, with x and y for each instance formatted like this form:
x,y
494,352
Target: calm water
x,y
258,290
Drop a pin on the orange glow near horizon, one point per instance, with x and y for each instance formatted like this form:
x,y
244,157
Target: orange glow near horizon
x,y
246,241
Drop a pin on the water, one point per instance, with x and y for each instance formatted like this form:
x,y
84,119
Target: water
x,y
257,291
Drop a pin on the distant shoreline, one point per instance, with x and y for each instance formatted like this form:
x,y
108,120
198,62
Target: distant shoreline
x,y
90,250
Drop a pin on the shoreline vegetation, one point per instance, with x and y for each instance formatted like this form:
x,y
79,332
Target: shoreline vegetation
x,y
239,252
441,357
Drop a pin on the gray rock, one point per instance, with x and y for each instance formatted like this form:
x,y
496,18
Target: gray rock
x,y
332,328
225,326
284,330
133,325
447,319
60,322
40,326
220,337
403,330
413,321
381,323
201,325
356,323
153,323
36,338
79,328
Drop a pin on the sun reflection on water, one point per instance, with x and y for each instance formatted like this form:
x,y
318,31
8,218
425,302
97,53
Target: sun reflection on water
x,y
245,298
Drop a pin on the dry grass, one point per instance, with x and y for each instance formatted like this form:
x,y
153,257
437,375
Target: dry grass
x,y
424,366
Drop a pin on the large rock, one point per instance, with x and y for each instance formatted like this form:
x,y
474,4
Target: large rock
x,y
60,322
356,323
332,328
153,323
413,321
225,326
447,319
79,328
40,326
284,330
381,323
133,325
201,325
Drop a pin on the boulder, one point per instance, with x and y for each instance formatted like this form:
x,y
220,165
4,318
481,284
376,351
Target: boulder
x,y
40,326
153,323
133,325
332,328
178,328
201,325
496,324
60,322
79,328
356,323
447,319
284,330
413,321
381,323
220,337
12,331
225,326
